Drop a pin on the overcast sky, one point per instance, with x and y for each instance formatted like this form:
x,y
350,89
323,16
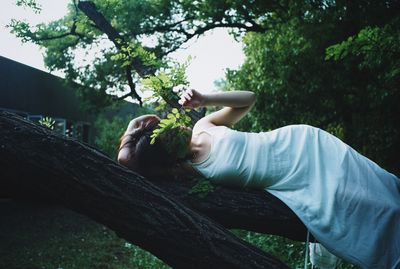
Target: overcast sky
x,y
212,53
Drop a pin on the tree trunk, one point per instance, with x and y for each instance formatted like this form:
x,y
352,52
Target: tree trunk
x,y
252,210
35,162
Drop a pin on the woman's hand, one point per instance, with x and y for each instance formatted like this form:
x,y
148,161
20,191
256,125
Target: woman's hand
x,y
191,99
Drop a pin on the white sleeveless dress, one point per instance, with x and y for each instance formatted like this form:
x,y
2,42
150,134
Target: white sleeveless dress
x,y
349,203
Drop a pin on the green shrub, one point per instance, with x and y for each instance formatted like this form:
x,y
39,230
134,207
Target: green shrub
x,y
289,251
108,133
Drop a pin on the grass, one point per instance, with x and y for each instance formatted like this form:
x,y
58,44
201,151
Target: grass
x,y
289,251
49,237
38,236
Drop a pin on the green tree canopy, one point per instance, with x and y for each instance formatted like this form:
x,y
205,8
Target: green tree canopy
x,y
331,68
332,64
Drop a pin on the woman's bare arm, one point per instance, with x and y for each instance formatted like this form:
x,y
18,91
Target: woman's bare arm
x,y
236,105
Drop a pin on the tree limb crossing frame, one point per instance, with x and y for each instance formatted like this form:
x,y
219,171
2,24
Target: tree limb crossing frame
x,y
38,163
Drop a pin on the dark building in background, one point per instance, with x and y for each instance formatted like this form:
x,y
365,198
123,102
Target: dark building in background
x,y
35,94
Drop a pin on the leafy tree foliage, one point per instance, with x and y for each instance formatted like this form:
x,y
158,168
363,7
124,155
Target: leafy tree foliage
x,y
108,133
336,67
171,132
164,24
372,58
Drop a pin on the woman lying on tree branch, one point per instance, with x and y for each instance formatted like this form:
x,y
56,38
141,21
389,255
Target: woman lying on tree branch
x,y
348,203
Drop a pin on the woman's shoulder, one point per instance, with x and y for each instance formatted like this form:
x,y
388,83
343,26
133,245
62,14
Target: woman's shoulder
x,y
207,127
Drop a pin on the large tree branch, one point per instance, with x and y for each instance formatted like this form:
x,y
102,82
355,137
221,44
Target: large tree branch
x,y
253,210
72,32
201,30
132,85
161,28
89,9
37,163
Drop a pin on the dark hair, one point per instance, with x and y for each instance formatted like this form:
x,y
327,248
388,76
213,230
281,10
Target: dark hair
x,y
145,158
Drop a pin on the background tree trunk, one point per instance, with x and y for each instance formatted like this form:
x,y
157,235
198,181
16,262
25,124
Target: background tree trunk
x,y
35,162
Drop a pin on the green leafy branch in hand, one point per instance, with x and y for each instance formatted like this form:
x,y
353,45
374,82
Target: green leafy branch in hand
x,y
162,83
172,132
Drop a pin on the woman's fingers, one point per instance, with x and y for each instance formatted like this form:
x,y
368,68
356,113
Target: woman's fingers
x,y
187,95
183,101
179,88
186,98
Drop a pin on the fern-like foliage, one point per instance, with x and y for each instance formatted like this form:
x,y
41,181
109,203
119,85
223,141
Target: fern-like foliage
x,y
173,133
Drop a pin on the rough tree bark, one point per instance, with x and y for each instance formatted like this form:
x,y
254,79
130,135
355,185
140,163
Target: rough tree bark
x,y
35,162
251,210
